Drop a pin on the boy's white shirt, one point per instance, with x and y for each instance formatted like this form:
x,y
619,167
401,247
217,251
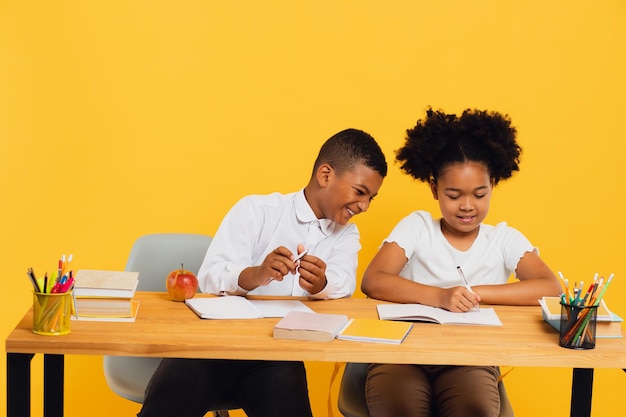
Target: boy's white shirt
x,y
258,224
492,258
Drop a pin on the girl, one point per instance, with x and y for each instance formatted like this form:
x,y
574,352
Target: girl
x,y
462,158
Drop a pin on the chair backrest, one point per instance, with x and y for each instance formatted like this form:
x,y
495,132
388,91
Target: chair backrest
x,y
155,255
351,402
352,393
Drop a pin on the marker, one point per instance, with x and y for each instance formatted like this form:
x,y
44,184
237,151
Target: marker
x,y
304,252
462,275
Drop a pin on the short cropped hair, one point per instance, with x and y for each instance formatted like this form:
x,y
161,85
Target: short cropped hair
x,y
344,150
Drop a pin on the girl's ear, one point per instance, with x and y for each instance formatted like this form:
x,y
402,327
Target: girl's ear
x,y
433,188
324,175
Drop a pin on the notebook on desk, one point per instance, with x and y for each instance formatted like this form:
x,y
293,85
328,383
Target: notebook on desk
x,y
376,331
420,312
238,307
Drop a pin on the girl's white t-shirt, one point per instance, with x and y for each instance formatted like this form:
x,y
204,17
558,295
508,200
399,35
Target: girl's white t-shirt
x,y
491,259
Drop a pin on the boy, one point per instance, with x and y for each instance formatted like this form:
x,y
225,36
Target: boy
x,y
253,252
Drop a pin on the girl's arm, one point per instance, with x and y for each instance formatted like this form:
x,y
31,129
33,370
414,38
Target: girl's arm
x,y
536,280
382,281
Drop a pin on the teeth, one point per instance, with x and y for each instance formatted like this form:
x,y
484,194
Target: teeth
x,y
351,212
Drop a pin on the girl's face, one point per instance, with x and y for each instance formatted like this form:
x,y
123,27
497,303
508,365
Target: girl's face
x,y
464,192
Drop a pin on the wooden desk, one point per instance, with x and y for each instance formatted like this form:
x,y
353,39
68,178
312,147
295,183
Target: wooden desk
x,y
169,329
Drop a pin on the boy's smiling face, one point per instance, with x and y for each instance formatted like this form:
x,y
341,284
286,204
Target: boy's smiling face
x,y
347,194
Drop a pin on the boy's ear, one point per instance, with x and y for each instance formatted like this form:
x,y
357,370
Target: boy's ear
x,y
324,175
433,188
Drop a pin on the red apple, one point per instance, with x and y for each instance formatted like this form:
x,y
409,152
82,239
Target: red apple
x,y
181,284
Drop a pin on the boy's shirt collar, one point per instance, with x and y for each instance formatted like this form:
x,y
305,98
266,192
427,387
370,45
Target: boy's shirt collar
x,y
305,214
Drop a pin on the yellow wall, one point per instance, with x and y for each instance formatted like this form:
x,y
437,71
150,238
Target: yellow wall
x,y
121,118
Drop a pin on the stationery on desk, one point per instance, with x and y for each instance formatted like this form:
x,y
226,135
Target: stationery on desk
x,y
239,307
467,285
101,295
420,312
52,300
302,325
608,324
113,315
376,331
100,283
61,280
320,327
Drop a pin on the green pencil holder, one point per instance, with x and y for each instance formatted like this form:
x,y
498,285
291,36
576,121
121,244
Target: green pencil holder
x,y
577,329
51,313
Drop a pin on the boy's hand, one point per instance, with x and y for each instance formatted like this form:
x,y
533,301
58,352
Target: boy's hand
x,y
275,266
312,272
458,299
279,263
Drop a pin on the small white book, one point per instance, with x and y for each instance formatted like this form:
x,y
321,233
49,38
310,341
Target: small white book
x,y
302,325
238,307
420,312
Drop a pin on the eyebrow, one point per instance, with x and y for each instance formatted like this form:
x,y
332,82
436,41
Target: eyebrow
x,y
366,189
482,187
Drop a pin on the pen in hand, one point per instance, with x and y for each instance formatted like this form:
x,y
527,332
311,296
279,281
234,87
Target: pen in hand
x,y
301,255
462,275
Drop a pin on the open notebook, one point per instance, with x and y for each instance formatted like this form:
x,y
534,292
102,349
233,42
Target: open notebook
x,y
238,307
420,312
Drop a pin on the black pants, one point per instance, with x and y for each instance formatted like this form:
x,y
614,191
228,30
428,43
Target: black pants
x,y
192,387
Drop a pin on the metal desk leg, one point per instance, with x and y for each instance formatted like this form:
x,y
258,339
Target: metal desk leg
x,y
18,384
53,383
582,389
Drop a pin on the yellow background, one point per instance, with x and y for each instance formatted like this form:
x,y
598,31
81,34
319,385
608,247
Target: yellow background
x,y
122,118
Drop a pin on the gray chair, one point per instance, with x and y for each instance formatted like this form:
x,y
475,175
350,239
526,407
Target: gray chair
x,y
352,393
154,256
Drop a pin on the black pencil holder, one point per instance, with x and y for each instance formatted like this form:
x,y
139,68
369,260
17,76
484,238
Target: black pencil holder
x,y
577,329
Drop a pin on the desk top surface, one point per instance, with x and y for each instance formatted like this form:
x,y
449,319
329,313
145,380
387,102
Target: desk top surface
x,y
166,328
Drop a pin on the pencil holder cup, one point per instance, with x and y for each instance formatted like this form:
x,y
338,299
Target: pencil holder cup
x,y
51,313
578,326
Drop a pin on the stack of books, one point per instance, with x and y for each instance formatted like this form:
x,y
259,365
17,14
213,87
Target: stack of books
x,y
105,295
608,324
